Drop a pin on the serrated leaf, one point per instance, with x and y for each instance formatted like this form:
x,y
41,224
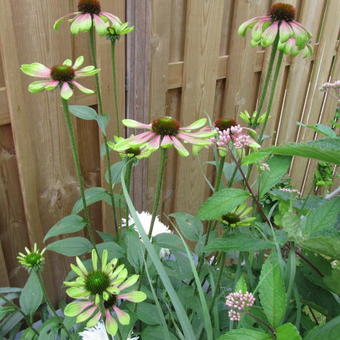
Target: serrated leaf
x,y
327,149
254,157
67,225
245,334
326,245
320,128
134,249
168,240
241,242
287,331
279,166
190,226
31,296
72,246
291,224
272,291
221,202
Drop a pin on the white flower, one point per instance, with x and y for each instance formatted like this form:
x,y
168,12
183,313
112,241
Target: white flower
x,y
158,228
98,332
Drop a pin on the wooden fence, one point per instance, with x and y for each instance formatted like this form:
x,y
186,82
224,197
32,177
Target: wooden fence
x,y
184,59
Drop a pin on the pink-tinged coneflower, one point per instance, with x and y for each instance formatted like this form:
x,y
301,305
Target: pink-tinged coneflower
x,y
166,132
89,13
280,21
62,76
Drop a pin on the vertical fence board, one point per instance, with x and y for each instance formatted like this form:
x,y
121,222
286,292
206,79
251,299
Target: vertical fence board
x,y
202,45
321,67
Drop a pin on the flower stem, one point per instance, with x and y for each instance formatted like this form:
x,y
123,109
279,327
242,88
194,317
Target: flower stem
x,y
160,179
266,81
272,93
75,154
100,110
263,323
49,304
114,79
128,174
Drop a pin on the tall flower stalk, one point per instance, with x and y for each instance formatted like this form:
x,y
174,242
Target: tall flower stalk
x,y
100,110
75,154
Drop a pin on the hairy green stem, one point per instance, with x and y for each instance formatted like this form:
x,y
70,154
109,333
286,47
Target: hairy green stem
x,y
75,154
26,317
114,79
272,93
100,110
49,303
266,81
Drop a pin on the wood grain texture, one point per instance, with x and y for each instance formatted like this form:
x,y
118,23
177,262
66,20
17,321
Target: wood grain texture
x,y
4,280
320,73
202,46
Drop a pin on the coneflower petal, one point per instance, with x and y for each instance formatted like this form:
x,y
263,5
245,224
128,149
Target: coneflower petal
x,y
100,25
111,324
123,317
133,124
66,91
36,70
179,146
269,35
81,23
285,31
82,88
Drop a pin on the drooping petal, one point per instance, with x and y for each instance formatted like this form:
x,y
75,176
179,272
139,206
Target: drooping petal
x,y
259,27
111,324
86,314
60,20
100,25
180,148
41,85
112,18
129,282
79,61
186,138
285,31
142,138
204,133
166,142
66,91
133,124
67,62
77,270
247,24
155,142
82,23
82,88
301,35
75,308
123,317
134,296
94,320
36,70
269,35
195,125
308,51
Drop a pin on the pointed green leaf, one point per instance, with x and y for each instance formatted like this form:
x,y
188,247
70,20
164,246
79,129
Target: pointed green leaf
x,y
32,295
72,246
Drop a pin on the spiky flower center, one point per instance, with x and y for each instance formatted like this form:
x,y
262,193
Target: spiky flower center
x,y
33,259
97,282
225,124
89,6
231,218
134,150
165,126
282,12
62,73
110,302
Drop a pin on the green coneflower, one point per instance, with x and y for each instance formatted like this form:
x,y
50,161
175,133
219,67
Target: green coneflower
x,y
33,259
101,292
238,217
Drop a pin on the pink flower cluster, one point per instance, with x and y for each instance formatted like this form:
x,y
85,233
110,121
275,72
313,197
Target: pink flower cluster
x,y
237,135
239,301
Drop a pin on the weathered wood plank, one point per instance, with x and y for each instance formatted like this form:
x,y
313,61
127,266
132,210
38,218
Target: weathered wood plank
x,y
202,46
